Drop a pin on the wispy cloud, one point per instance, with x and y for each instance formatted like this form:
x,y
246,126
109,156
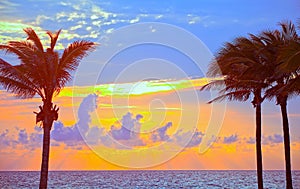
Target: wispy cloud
x,y
6,6
13,31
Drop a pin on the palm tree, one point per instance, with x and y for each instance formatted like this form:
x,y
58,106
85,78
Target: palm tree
x,y
41,73
244,70
285,45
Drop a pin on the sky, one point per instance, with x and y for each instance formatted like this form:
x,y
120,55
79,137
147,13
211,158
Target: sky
x,y
134,103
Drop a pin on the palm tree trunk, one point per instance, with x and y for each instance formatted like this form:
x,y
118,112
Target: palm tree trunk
x,y
286,135
259,167
47,124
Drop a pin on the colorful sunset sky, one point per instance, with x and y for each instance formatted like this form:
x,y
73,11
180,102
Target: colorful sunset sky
x,y
134,102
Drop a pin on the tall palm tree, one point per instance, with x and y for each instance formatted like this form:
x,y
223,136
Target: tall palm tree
x,y
244,70
284,45
44,73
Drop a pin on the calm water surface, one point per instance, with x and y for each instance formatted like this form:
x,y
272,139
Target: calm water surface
x,y
147,179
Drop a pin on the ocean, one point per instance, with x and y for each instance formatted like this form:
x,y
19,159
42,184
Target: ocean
x,y
147,179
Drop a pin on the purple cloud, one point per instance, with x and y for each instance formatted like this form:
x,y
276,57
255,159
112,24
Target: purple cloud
x,y
273,139
95,135
160,133
251,140
182,138
22,136
230,139
72,136
130,128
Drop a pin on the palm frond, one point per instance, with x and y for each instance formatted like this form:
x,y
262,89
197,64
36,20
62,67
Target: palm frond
x,y
53,38
20,89
31,59
290,88
70,59
214,84
289,55
20,52
74,53
288,30
27,53
32,36
40,72
241,95
17,74
214,69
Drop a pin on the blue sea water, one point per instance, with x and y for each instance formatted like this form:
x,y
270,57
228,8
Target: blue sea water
x,y
146,179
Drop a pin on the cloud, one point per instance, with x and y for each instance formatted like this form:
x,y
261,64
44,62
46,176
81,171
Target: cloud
x,y
130,127
192,19
68,135
160,133
266,140
41,18
14,31
157,17
6,140
76,27
36,138
125,133
30,142
73,135
230,139
23,138
95,135
196,19
134,20
182,138
272,139
97,11
6,7
251,140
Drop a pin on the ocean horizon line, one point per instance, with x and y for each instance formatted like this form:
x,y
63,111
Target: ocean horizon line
x,y
145,170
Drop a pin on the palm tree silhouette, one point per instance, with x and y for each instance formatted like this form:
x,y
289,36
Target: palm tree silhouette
x,y
241,66
41,73
285,46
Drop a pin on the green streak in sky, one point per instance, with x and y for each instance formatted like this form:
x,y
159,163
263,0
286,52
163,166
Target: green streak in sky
x,y
136,88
